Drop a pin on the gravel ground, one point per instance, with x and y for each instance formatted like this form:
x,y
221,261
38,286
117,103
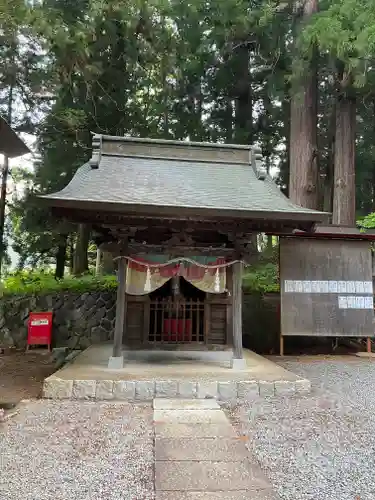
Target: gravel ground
x,y
322,446
77,450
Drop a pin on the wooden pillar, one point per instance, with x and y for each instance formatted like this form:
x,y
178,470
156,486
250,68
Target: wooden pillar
x,y
368,344
117,359
238,361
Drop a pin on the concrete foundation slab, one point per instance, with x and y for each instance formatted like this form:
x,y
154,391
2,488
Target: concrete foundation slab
x,y
142,375
365,354
116,363
239,364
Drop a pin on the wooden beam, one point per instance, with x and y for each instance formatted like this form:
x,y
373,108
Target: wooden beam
x,y
165,239
118,249
225,226
117,360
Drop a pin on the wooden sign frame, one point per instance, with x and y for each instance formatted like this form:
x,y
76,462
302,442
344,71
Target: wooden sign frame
x,y
326,288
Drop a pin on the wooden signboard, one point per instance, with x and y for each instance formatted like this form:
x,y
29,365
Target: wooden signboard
x,y
326,288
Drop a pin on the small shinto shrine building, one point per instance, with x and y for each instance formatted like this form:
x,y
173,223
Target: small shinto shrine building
x,y
177,217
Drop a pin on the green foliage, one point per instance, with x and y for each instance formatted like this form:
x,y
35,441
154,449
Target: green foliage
x,y
208,71
262,279
346,30
367,222
31,283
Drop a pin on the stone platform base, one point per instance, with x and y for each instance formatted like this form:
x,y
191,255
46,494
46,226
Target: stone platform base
x,y
148,375
147,390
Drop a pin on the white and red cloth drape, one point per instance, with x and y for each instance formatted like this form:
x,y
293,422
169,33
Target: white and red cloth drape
x,y
147,273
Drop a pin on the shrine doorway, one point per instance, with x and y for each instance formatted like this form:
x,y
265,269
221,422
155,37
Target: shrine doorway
x,y
177,313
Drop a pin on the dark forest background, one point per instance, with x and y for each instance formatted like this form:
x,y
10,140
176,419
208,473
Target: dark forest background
x,y
294,77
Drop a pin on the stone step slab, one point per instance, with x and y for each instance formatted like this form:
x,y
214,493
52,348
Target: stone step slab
x,y
190,430
189,465
208,476
190,417
207,449
216,495
185,404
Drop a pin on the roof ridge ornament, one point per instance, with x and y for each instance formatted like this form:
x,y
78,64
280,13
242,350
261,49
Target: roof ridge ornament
x,y
256,160
96,155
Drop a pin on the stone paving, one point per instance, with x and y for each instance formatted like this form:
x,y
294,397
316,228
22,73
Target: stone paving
x,y
199,456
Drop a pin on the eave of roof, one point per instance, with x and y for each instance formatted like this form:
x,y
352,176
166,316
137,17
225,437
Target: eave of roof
x,y
10,144
193,212
332,232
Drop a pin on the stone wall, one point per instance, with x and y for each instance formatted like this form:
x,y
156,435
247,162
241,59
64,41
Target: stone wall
x,y
81,319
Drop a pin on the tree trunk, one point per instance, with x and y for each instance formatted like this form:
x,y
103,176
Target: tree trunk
x,y
61,258
243,132
373,155
108,265
71,254
269,244
228,122
3,193
267,127
243,116
243,122
303,173
98,263
327,184
81,264
5,168
344,163
285,166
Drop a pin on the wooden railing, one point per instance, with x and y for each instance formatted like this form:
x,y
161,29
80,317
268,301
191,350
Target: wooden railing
x,y
174,320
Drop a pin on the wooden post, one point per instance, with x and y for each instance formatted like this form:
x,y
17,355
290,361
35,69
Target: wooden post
x,y
281,345
369,344
238,361
117,360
